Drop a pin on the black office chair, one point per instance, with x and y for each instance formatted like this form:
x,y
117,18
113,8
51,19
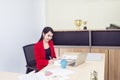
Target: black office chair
x,y
29,56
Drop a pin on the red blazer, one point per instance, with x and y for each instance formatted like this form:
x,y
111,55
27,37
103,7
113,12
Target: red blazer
x,y
40,55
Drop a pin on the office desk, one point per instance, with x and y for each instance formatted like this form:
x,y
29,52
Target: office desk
x,y
9,76
81,72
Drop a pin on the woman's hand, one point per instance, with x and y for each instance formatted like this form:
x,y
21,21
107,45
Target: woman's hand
x,y
51,61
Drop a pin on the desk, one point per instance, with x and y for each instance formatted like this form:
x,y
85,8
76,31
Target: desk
x,y
81,72
9,76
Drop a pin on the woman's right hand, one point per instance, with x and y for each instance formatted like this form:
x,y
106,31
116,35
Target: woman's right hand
x,y
51,61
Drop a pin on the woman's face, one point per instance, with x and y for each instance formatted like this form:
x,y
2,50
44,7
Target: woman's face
x,y
48,36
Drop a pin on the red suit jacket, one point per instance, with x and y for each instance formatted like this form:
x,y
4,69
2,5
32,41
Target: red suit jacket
x,y
40,55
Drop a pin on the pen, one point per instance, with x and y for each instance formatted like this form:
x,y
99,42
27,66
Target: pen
x,y
50,57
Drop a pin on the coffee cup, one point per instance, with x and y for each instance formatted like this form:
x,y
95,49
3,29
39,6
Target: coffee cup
x,y
63,63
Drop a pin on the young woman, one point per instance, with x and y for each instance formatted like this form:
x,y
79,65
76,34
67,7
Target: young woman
x,y
44,49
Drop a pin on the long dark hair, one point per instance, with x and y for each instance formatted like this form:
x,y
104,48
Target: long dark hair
x,y
46,30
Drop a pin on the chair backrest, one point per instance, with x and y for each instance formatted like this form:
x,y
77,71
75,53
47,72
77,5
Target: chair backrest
x,y
29,54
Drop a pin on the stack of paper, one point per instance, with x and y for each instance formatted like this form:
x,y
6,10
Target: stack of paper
x,y
32,76
56,74
60,72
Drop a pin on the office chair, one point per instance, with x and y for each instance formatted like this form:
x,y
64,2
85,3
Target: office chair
x,y
29,56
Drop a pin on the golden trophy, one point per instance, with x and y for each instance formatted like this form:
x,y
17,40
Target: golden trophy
x,y
78,23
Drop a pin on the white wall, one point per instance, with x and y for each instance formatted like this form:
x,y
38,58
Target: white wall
x,y
98,13
21,22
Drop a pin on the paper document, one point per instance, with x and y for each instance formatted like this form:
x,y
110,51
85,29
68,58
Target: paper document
x,y
60,72
33,76
57,62
57,74
94,56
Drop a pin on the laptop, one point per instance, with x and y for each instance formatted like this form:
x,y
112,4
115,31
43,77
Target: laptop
x,y
74,58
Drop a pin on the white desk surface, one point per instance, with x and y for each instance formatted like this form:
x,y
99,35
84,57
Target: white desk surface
x,y
9,76
81,72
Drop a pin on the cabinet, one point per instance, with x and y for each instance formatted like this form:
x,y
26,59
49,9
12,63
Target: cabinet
x,y
94,41
61,50
114,64
84,50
